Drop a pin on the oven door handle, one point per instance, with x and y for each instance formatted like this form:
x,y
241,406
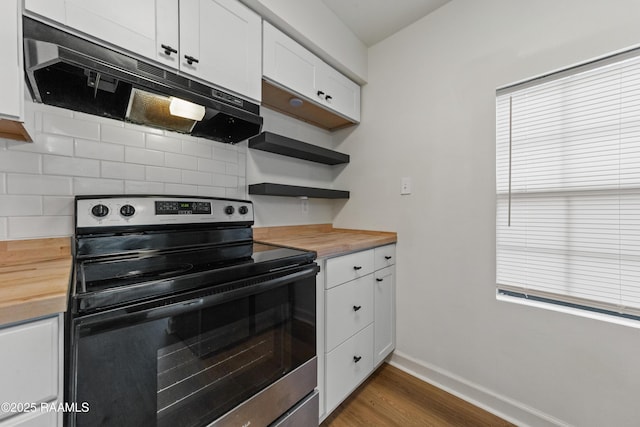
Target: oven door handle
x,y
128,316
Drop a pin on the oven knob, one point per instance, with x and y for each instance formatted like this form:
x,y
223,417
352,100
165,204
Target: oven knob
x,y
99,211
127,210
229,210
243,210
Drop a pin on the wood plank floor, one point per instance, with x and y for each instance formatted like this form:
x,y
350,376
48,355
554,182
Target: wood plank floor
x,y
391,397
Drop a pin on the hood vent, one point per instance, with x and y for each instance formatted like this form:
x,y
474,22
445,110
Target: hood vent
x,y
70,72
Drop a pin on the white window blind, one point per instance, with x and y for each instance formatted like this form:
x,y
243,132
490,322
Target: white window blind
x,y
568,182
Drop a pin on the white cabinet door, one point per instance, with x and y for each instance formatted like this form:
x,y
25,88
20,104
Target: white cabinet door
x,y
338,92
220,42
350,308
11,100
29,364
384,313
123,23
287,63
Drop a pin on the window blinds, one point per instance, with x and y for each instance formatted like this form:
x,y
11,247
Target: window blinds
x,y
568,182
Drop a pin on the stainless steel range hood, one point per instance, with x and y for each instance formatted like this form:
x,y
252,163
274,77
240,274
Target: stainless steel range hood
x,y
70,72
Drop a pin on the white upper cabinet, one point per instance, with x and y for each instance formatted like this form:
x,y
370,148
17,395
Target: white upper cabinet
x,y
11,102
217,41
220,42
291,66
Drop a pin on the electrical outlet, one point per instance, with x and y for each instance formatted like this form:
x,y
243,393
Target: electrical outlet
x,y
405,185
304,206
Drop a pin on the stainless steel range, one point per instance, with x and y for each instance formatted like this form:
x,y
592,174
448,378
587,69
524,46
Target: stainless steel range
x,y
177,318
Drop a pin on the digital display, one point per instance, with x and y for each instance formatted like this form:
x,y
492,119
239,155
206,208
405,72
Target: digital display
x,y
183,208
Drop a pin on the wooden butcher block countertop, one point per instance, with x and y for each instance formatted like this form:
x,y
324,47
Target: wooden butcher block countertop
x,y
34,278
323,238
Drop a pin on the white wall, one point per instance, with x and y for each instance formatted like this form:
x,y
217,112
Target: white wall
x,y
75,153
429,113
269,167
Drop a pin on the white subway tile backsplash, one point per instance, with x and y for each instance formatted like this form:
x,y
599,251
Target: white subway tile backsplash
x,y
122,171
99,150
180,161
47,144
144,156
27,227
181,189
39,184
142,187
17,161
242,164
196,178
163,174
213,166
11,205
75,153
198,149
58,165
225,155
207,191
123,136
53,205
97,186
70,126
164,143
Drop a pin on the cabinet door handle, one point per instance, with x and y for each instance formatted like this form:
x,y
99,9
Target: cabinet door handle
x,y
328,97
320,93
387,257
356,359
357,267
191,59
379,279
168,50
357,307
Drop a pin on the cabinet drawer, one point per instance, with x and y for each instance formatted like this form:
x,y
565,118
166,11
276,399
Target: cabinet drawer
x,y
349,267
347,365
384,256
349,309
29,368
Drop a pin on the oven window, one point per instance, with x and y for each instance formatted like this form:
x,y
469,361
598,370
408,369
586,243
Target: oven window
x,y
191,368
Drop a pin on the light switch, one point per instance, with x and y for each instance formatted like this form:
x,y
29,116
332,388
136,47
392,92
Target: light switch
x,y
405,185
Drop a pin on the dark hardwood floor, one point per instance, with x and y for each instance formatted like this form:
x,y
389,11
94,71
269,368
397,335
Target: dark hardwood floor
x,y
391,397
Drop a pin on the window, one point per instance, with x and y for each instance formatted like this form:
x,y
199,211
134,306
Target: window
x,y
568,187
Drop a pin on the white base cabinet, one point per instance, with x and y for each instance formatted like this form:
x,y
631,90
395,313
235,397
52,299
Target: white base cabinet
x,y
31,371
356,320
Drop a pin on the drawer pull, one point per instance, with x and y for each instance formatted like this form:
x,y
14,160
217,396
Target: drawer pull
x,y
379,279
357,307
388,257
357,267
356,359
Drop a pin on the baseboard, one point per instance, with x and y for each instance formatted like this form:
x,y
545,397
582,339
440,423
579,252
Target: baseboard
x,y
502,406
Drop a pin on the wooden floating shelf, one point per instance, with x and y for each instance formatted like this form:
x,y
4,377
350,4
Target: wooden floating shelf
x,y
290,147
270,189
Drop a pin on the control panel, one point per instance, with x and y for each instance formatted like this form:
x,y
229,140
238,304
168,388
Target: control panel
x,y
114,211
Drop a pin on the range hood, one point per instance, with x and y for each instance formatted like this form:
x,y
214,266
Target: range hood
x,y
70,72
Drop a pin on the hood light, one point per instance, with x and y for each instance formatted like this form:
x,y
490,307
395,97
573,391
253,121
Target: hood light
x,y
188,110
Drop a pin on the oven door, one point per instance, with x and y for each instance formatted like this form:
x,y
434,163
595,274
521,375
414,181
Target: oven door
x,y
213,356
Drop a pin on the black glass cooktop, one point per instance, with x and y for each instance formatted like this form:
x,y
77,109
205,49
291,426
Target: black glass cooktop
x,y
109,281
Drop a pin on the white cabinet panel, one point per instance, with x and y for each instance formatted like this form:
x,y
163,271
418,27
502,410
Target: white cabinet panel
x,y
224,37
124,23
348,364
290,65
384,256
11,102
29,362
349,267
385,313
167,40
50,9
35,419
349,309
